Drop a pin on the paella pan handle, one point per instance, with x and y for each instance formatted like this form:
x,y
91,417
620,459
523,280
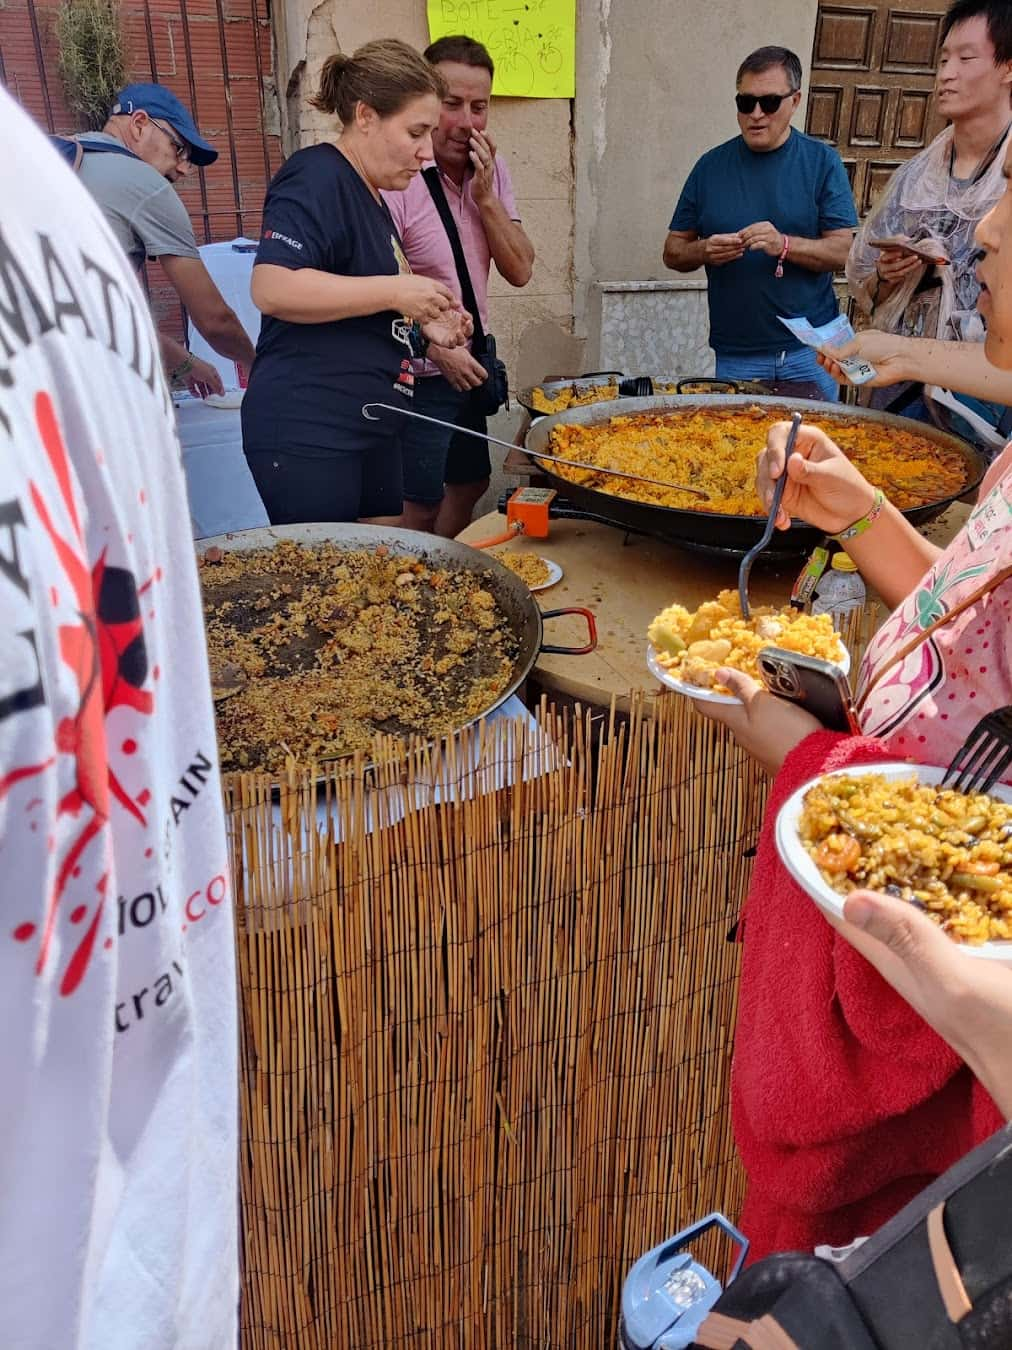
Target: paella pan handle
x,y
572,651
722,386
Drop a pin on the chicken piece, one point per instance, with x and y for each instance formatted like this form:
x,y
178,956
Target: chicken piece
x,y
700,673
702,660
769,627
705,619
715,651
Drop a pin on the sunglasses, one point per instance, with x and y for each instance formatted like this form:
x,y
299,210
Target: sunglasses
x,y
181,148
745,103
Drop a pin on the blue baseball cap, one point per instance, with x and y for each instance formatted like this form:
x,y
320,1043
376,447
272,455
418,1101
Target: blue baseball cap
x,y
157,101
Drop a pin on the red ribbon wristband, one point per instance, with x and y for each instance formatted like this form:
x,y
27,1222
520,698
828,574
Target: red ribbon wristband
x,y
783,254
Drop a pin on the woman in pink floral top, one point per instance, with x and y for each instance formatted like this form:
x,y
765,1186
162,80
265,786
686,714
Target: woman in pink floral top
x,y
845,1102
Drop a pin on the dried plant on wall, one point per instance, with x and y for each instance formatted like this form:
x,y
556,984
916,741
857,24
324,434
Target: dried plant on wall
x,y
92,58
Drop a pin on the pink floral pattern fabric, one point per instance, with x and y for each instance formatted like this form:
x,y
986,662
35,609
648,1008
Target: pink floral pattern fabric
x,y
924,707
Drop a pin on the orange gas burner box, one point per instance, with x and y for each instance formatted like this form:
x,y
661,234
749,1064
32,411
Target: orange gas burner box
x,y
527,511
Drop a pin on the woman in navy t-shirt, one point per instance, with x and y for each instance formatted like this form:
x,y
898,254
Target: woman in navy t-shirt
x,y
343,313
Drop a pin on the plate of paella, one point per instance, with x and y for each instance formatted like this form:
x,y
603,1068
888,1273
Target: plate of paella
x,y
535,572
687,648
894,828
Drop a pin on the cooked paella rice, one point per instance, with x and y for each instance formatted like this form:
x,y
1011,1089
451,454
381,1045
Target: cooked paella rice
x,y
571,396
946,852
323,647
715,449
579,395
529,567
693,646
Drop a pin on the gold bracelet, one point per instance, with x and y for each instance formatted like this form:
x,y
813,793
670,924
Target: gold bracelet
x,y
865,522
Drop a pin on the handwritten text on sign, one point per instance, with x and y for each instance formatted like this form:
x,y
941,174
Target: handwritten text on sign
x,y
532,42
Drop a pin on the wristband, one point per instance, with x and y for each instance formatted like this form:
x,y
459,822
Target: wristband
x,y
182,370
783,254
866,522
417,341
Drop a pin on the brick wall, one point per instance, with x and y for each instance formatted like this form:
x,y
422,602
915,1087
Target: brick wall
x,y
216,56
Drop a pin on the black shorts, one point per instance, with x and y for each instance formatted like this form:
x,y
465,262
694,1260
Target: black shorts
x,y
299,486
436,455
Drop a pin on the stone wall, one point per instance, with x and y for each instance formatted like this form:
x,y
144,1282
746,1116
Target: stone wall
x,y
533,134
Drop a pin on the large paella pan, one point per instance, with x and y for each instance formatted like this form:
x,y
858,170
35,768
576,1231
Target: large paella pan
x,y
725,531
326,634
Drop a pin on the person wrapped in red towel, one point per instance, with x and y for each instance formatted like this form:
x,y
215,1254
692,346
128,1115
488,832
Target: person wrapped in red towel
x,y
845,1102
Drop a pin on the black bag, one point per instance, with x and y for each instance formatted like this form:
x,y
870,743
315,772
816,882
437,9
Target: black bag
x,y
937,1276
489,397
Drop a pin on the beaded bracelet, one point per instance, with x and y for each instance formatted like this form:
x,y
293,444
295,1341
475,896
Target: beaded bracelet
x,y
866,522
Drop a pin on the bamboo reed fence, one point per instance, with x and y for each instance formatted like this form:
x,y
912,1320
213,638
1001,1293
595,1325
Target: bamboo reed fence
x,y
485,1047
486,1033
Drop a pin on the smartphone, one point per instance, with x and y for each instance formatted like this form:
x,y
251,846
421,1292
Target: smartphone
x,y
926,251
818,686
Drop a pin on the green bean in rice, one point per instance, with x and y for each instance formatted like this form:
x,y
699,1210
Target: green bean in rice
x,y
949,853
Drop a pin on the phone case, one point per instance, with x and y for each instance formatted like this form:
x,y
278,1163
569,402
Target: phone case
x,y
926,252
815,685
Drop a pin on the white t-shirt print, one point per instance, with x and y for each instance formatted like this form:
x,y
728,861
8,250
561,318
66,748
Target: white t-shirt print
x,y
118,1111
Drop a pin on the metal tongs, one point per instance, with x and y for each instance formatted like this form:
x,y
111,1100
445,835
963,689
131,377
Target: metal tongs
x,y
535,454
745,570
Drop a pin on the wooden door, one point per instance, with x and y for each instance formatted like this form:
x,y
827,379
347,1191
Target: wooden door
x,y
872,79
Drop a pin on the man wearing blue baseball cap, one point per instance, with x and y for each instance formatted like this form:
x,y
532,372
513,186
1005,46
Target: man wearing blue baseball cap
x,y
149,142
161,104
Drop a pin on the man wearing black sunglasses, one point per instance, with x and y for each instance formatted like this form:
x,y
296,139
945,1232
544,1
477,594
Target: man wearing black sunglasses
x,y
770,215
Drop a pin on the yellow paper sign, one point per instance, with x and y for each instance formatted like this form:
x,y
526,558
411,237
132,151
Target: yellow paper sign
x,y
532,42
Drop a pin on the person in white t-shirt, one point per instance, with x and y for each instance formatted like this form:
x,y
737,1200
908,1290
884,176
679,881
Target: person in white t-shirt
x,y
118,1116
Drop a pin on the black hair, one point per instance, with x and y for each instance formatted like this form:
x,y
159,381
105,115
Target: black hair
x,y
461,48
998,14
757,62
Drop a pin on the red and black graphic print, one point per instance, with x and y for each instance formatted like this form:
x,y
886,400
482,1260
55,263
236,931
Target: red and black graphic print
x,y
106,651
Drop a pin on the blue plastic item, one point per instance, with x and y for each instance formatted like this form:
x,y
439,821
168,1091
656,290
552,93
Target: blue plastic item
x,y
667,1294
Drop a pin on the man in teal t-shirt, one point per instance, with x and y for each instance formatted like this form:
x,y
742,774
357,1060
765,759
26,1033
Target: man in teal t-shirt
x,y
771,217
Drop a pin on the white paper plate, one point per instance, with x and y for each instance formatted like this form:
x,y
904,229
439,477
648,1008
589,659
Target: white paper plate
x,y
554,575
231,399
804,871
697,691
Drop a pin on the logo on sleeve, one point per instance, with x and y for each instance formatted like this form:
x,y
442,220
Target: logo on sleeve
x,y
283,239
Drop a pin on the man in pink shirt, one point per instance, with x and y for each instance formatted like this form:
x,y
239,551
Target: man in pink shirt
x,y
445,474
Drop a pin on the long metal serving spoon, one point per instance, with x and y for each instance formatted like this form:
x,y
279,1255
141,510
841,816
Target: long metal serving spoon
x,y
745,570
534,454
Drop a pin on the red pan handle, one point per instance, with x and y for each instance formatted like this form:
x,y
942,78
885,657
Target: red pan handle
x,y
572,651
